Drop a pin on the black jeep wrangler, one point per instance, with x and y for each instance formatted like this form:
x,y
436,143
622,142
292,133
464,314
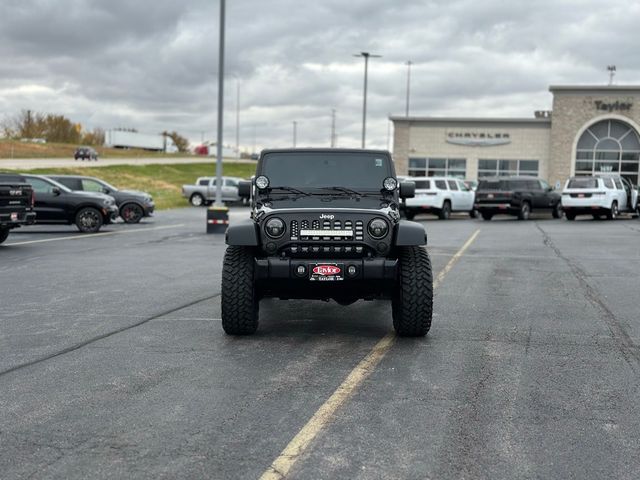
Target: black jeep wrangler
x,y
325,224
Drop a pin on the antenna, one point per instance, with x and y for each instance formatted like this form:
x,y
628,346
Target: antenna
x,y
612,72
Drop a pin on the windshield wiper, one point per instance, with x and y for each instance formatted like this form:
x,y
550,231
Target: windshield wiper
x,y
290,190
344,190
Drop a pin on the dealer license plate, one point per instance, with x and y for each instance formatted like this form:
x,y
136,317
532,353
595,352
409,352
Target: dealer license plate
x,y
326,272
14,217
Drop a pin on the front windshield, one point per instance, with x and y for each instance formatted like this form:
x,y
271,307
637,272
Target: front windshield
x,y
59,185
106,185
362,171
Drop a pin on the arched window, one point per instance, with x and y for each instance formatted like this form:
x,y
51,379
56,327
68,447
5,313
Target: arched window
x,y
609,146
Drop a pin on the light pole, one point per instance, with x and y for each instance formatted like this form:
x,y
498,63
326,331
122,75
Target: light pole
x,y
238,117
333,128
218,202
295,133
408,63
366,56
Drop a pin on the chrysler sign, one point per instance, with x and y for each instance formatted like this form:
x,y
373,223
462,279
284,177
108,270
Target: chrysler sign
x,y
478,139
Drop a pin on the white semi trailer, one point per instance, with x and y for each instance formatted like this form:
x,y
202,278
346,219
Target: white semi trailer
x,y
145,141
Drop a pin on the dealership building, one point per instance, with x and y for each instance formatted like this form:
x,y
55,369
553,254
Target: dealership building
x,y
590,129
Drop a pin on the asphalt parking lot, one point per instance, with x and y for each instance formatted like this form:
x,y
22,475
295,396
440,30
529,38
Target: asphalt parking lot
x,y
113,363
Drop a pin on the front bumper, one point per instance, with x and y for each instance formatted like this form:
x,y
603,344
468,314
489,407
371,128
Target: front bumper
x,y
371,278
149,208
110,214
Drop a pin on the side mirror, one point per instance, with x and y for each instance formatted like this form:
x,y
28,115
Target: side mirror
x,y
407,189
106,190
244,189
55,191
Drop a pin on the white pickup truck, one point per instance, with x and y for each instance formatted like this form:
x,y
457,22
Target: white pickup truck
x,y
204,191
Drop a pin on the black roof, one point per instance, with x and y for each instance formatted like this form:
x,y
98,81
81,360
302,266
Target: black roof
x,y
324,150
514,177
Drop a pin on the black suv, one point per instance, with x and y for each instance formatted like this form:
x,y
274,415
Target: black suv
x,y
85,153
517,196
133,205
56,204
16,204
325,224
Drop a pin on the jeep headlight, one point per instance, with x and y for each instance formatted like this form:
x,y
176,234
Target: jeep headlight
x,y
390,184
274,227
378,228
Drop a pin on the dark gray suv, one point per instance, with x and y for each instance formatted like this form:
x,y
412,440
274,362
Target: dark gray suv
x,y
133,205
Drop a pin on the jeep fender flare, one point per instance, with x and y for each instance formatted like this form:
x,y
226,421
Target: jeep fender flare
x,y
243,234
410,234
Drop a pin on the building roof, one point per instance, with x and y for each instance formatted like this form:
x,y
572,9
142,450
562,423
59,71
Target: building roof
x,y
505,120
594,88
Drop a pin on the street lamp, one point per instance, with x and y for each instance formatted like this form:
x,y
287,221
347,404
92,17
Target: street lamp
x,y
366,56
408,63
218,202
295,133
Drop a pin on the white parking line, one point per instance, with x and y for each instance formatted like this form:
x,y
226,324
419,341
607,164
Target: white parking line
x,y
94,235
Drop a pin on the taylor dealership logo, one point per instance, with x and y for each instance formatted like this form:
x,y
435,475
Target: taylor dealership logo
x,y
478,139
613,107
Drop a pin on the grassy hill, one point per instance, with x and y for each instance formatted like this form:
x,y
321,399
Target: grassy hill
x,y
17,149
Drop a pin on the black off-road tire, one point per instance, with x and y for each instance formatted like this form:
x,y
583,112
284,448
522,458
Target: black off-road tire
x,y
557,211
473,213
412,304
89,220
131,213
525,211
487,216
4,233
239,298
445,212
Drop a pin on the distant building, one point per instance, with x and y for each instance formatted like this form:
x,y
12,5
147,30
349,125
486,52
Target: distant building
x,y
591,129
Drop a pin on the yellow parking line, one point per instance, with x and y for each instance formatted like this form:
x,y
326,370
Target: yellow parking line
x,y
93,235
296,447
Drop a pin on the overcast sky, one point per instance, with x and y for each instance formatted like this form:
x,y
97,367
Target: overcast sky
x,y
152,64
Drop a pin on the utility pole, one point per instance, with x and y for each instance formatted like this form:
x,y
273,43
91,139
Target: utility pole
x,y
218,202
333,128
389,131
366,56
255,129
295,133
408,63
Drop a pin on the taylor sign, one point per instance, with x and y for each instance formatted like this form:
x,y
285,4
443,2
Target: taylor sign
x,y
478,139
614,106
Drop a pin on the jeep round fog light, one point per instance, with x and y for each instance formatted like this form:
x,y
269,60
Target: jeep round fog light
x,y
352,270
390,184
378,228
274,227
301,270
262,182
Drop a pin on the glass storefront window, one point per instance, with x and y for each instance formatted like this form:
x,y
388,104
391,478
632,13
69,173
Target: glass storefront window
x,y
506,167
438,167
609,146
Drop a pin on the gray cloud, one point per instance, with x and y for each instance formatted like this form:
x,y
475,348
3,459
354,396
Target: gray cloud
x,y
152,64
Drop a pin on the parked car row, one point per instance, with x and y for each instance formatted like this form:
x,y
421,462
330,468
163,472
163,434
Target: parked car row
x,y
601,195
87,202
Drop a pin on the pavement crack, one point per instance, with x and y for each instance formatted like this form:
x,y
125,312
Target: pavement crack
x,y
97,338
617,330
